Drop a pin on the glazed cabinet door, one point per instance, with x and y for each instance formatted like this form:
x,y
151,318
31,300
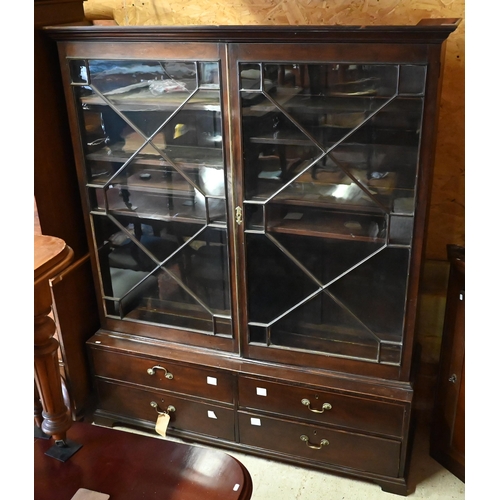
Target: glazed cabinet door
x,y
153,173
329,160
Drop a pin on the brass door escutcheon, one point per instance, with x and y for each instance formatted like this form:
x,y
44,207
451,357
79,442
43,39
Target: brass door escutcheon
x,y
326,406
238,215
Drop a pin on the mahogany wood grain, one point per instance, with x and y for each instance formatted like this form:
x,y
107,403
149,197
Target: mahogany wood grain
x,y
344,449
447,443
432,33
129,466
193,415
184,379
346,411
388,390
75,312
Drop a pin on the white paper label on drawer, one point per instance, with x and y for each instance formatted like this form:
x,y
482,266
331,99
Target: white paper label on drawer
x,y
255,421
261,391
211,414
211,380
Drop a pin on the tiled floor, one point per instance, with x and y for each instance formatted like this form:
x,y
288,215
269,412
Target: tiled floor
x,y
275,481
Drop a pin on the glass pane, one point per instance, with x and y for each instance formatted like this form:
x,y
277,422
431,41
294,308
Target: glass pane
x,y
209,74
375,292
209,269
412,79
152,138
401,230
78,71
330,161
275,151
382,155
354,315
328,258
322,325
326,184
159,272
334,79
329,100
275,283
257,334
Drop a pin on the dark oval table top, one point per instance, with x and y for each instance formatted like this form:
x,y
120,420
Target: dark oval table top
x,y
129,466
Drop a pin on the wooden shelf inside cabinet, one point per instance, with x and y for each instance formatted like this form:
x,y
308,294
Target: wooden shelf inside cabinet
x,y
154,181
344,342
296,98
143,100
324,224
184,157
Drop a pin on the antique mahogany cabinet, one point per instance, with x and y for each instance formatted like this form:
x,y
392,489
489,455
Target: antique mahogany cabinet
x,y
256,202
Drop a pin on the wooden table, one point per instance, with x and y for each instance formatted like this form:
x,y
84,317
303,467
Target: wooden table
x,y
129,467
52,256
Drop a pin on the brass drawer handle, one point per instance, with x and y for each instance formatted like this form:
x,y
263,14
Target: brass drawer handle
x,y
170,408
326,406
151,371
323,442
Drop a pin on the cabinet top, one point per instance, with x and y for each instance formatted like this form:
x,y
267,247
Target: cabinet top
x,y
426,31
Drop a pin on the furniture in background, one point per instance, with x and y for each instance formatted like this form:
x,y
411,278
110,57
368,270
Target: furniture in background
x,y
447,443
255,201
52,256
128,466
58,202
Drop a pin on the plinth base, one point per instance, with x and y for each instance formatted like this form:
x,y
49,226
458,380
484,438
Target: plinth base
x,y
63,450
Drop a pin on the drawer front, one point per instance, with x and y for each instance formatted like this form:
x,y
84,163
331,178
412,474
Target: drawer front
x,y
165,374
199,417
344,449
322,407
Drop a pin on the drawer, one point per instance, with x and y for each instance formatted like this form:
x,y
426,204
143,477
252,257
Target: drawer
x,y
345,449
334,409
194,416
164,374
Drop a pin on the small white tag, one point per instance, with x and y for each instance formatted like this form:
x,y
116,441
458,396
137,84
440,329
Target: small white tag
x,y
211,380
261,391
236,487
211,414
162,424
255,421
85,494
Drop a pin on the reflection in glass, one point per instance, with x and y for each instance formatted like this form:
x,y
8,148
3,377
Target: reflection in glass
x,y
152,139
170,273
375,292
330,157
412,79
275,283
327,259
323,325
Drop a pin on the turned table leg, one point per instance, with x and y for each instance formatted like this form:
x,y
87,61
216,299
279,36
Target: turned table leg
x,y
56,419
52,256
38,415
